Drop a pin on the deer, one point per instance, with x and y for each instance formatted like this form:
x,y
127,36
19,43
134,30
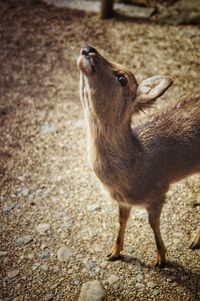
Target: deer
x,y
136,164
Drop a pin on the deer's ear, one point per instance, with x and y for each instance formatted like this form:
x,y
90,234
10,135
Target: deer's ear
x,y
152,88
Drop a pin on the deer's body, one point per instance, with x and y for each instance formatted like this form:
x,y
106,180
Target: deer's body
x,y
151,156
137,164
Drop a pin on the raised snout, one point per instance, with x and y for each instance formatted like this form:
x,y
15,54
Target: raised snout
x,y
86,60
88,50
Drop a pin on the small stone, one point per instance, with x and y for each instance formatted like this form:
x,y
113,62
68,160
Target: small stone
x,y
104,264
94,207
112,279
77,282
7,299
13,274
48,128
64,253
80,124
16,299
45,254
9,208
43,228
139,285
138,266
66,225
48,297
92,291
62,215
24,240
55,268
35,266
91,265
30,256
21,178
70,271
3,253
44,267
24,192
151,284
98,248
116,285
139,278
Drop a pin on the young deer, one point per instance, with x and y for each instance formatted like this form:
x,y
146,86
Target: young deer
x,y
136,165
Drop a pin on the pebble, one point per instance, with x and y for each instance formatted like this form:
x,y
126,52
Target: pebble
x,y
138,266
80,124
45,254
3,253
98,248
64,253
70,271
55,269
30,256
139,285
48,128
43,228
91,264
23,192
48,297
93,207
92,291
24,240
112,279
9,208
151,284
35,266
13,274
44,267
66,225
104,264
139,278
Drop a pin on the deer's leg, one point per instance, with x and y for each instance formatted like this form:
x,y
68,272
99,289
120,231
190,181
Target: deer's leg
x,y
124,213
196,243
154,212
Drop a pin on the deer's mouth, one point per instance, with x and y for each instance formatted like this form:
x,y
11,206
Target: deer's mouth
x,y
86,60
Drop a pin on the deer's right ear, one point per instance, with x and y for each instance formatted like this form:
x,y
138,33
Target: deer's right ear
x,y
150,89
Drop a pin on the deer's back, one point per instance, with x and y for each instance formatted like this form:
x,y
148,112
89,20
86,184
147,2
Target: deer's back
x,y
171,140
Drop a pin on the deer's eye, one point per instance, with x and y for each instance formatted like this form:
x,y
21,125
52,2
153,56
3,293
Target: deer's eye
x,y
122,79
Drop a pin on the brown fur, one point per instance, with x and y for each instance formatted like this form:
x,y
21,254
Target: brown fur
x,y
138,164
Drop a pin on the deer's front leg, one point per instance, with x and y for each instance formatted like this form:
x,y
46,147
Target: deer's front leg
x,y
124,213
154,212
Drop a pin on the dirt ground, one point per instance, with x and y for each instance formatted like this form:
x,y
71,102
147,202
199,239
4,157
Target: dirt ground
x,y
49,197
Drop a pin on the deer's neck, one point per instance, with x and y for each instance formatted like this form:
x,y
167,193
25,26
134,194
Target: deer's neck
x,y
111,144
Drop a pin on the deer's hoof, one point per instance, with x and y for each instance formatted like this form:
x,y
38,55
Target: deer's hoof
x,y
160,264
195,245
112,257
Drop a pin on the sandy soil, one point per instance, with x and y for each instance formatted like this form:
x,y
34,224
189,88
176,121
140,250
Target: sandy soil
x,y
44,175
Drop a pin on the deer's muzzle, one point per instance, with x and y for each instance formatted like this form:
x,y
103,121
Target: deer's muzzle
x,y
86,60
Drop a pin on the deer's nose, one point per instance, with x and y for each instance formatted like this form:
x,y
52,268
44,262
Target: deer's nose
x,y
87,50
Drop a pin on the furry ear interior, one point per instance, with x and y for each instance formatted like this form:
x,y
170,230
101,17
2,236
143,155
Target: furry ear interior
x,y
150,89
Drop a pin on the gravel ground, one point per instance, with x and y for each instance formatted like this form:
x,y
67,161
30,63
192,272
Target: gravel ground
x,y
56,225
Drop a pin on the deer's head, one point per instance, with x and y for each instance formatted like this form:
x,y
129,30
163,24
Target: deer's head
x,y
111,91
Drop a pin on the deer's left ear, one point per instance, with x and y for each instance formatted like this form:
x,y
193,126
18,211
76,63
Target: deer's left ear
x,y
152,88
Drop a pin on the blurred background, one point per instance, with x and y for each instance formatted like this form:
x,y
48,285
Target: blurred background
x,y
56,225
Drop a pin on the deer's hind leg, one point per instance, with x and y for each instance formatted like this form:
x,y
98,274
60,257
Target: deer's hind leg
x,y
154,212
124,213
196,243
